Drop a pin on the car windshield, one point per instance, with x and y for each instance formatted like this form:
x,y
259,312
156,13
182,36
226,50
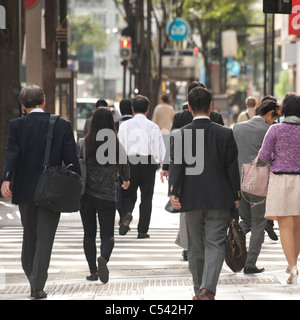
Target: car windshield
x,y
85,110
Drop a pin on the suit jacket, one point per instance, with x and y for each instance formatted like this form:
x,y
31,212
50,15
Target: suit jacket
x,y
185,117
249,136
163,116
24,155
124,118
218,186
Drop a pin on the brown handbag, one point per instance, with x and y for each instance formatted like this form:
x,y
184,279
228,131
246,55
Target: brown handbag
x,y
236,251
255,179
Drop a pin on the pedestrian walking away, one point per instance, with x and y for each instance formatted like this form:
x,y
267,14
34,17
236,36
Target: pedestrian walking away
x,y
126,112
99,103
163,116
24,158
249,136
251,103
207,196
99,199
143,143
281,147
180,120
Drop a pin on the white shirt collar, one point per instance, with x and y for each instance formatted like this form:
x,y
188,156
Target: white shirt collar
x,y
139,115
37,110
202,117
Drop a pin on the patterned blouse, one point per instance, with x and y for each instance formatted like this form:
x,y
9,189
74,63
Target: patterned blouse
x,y
281,146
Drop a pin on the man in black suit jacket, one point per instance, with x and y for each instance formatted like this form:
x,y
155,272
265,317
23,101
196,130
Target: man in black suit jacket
x,y
205,191
24,158
185,117
126,111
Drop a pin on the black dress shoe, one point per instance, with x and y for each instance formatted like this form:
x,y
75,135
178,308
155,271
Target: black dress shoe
x,y
184,255
38,294
143,236
92,277
249,270
271,233
124,224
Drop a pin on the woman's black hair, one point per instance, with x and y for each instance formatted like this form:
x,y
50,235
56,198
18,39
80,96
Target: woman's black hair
x,y
291,105
102,119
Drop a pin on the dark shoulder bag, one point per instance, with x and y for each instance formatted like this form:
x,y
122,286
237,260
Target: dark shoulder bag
x,y
236,251
59,189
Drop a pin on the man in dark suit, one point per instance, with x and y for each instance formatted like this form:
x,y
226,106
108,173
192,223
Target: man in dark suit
x,y
180,120
205,190
126,111
185,117
24,158
99,103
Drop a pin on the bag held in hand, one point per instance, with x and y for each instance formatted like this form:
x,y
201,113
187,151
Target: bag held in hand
x,y
255,178
82,161
59,189
236,251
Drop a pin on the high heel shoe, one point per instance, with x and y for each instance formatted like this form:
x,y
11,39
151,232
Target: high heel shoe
x,y
293,276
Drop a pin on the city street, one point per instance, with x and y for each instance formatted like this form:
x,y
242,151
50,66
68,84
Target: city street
x,y
140,269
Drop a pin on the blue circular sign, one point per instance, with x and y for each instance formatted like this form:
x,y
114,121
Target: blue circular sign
x,y
178,29
233,67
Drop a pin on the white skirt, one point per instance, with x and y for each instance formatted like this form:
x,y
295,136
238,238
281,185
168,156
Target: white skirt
x,y
283,198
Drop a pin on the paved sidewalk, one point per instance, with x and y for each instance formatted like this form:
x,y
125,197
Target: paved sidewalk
x,y
270,285
267,286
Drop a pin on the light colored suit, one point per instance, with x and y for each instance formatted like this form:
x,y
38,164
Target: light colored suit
x,y
246,115
249,136
163,116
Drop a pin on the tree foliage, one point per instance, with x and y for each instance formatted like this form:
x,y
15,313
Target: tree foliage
x,y
86,31
209,17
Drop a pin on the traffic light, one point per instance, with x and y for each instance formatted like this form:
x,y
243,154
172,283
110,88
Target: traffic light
x,y
277,6
125,48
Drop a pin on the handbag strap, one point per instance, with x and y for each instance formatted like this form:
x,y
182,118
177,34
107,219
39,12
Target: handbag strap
x,y
82,154
49,137
253,204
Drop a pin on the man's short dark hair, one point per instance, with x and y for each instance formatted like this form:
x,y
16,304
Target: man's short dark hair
x,y
200,99
268,97
125,106
291,105
31,96
266,106
140,104
101,103
195,84
164,98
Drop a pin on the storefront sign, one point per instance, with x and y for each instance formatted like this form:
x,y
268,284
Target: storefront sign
x,y
294,19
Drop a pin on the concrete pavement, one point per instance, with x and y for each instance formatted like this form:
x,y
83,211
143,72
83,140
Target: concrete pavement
x,y
270,285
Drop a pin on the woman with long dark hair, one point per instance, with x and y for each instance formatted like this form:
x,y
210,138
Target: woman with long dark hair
x,y
102,168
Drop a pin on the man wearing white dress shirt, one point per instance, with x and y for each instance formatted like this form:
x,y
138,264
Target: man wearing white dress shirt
x,y
143,143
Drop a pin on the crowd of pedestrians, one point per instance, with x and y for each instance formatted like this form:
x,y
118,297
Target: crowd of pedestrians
x,y
203,179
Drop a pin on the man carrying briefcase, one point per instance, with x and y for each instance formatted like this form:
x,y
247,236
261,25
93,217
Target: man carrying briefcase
x,y
24,158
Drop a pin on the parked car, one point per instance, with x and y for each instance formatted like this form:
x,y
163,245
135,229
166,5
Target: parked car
x,y
85,110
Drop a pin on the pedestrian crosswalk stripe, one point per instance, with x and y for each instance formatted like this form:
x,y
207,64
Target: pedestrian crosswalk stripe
x,y
159,251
